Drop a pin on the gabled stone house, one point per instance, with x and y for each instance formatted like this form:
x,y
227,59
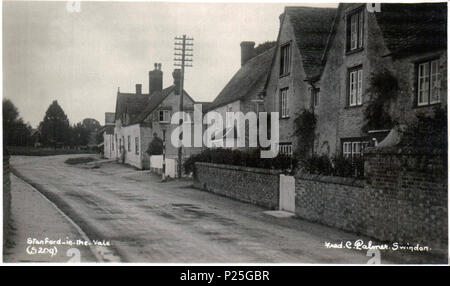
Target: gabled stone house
x,y
301,40
409,41
325,59
139,117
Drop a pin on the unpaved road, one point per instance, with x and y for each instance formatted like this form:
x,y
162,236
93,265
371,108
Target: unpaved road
x,y
149,221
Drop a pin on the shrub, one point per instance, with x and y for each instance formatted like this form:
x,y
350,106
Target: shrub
x,y
79,160
246,158
155,147
338,166
320,165
427,132
348,167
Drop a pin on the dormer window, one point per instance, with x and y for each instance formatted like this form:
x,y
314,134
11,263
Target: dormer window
x,y
355,30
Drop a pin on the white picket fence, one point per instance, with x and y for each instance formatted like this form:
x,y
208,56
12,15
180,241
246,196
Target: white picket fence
x,y
156,163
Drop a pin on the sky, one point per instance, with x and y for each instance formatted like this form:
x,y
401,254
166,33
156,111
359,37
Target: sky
x,y
80,59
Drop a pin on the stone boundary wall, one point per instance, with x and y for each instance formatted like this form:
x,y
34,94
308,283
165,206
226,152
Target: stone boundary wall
x,y
403,198
252,185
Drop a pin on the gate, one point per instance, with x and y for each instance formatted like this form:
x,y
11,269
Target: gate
x,y
287,193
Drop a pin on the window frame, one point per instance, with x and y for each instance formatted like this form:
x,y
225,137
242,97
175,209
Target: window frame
x,y
357,73
285,148
285,62
284,108
136,145
164,111
315,97
359,14
350,145
429,76
129,143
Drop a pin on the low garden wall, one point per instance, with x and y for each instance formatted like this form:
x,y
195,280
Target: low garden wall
x,y
253,185
403,198
408,189
333,201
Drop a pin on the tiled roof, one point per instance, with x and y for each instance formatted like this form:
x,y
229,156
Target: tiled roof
x,y
130,103
154,101
311,28
413,27
248,80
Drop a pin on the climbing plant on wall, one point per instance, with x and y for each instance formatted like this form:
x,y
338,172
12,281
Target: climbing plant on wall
x,y
305,128
382,91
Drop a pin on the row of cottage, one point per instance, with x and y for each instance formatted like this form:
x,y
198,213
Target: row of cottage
x,y
324,60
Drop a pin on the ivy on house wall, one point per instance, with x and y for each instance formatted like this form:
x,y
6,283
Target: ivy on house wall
x,y
383,90
305,130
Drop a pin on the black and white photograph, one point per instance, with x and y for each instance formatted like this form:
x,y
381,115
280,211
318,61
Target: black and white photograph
x,y
214,133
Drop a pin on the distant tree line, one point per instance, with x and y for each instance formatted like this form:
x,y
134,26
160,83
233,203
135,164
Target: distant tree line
x,y
54,130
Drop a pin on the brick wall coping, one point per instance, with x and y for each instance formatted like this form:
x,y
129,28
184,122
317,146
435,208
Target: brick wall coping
x,y
331,179
397,150
240,168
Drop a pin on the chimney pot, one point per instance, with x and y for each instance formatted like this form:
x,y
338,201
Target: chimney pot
x,y
247,51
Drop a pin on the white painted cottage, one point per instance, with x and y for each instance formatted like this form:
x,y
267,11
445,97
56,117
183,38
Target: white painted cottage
x,y
138,119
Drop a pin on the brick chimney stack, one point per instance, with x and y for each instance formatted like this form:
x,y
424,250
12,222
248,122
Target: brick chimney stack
x,y
138,89
247,51
281,17
155,78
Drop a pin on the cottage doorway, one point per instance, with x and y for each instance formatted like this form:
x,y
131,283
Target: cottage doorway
x,y
287,193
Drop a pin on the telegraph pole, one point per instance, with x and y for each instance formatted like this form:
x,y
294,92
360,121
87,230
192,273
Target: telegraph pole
x,y
183,58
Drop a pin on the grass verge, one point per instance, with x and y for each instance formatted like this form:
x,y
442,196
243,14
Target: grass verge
x,y
79,160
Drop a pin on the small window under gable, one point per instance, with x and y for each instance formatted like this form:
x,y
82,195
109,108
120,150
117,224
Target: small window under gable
x,y
355,86
355,30
284,105
164,116
285,59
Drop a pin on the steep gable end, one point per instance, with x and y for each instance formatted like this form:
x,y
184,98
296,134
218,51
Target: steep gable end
x,y
311,27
